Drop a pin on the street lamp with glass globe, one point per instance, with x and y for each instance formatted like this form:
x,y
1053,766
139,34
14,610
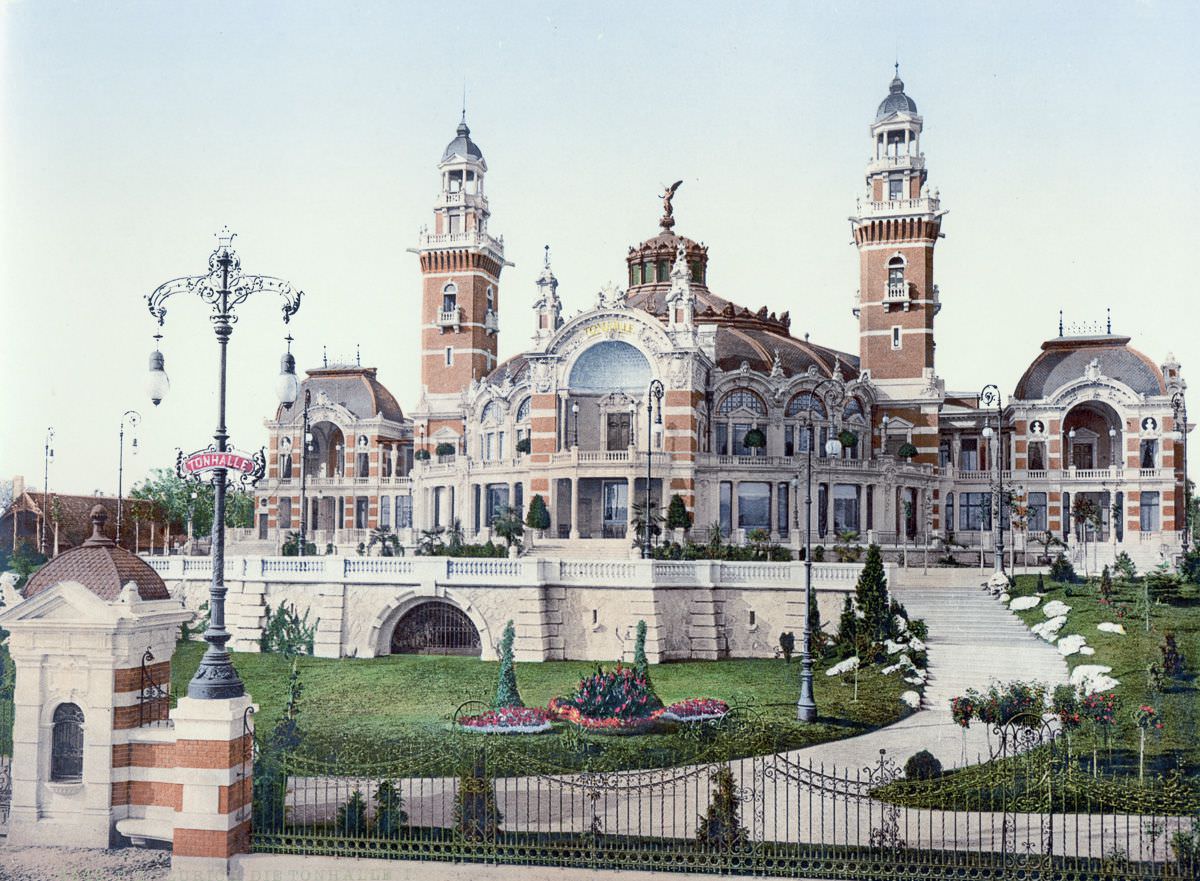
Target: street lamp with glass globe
x,y
224,287
989,397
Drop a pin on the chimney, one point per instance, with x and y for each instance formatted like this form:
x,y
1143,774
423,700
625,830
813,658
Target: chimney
x,y
18,487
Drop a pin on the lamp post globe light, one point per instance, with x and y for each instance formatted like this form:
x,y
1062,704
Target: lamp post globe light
x,y
132,418
654,396
828,393
574,423
990,397
1179,409
224,287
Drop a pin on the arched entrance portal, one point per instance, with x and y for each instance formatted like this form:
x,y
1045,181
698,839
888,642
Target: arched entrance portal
x,y
436,628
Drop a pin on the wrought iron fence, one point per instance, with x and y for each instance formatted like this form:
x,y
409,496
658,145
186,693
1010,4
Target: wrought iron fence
x,y
154,694
765,815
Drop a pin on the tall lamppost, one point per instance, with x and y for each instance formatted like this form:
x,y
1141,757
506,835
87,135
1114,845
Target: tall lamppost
x,y
133,418
1179,408
654,396
48,458
827,393
223,288
990,397
574,423
191,514
305,443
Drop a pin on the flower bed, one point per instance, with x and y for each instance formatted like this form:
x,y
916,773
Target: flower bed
x,y
509,720
702,709
565,711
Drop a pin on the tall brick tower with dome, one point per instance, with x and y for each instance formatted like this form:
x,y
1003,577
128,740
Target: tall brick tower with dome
x,y
460,269
895,231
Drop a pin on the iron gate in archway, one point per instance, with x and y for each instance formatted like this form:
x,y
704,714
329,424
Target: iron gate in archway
x,y
435,628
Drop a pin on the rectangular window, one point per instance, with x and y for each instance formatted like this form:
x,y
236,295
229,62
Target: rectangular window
x,y
1037,456
944,454
285,513
1038,515
408,461
500,445
497,498
740,430
1149,454
722,439
489,446
404,512
975,511
726,507
519,497
385,512
968,456
754,506
783,508
845,508
822,509
360,512
895,337
870,507
789,440
1150,521
895,187
449,356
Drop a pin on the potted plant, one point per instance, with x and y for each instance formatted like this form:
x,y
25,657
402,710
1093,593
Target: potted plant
x,y
444,449
507,524
906,451
523,445
678,517
755,439
421,455
537,517
848,438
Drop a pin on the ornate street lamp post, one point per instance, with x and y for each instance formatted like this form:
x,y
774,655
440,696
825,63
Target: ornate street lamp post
x,y
49,457
133,418
223,287
990,397
574,423
305,442
654,396
1179,408
806,706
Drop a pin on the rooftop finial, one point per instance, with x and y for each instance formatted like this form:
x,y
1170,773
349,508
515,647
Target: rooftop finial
x,y
325,356
1108,312
357,355
547,258
463,120
668,219
1060,323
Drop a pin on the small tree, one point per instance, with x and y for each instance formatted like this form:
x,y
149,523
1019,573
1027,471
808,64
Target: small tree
x,y
1125,567
677,514
1041,584
1172,658
507,694
445,448
388,541
390,816
871,594
476,816
819,637
641,664
847,627
721,827
787,645
507,524
1106,584
537,517
352,816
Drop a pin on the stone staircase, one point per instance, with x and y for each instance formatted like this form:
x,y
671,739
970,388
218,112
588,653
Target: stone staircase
x,y
974,640
582,549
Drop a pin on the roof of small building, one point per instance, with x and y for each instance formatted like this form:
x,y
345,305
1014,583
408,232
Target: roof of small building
x,y
1064,359
462,145
351,386
72,514
101,566
896,101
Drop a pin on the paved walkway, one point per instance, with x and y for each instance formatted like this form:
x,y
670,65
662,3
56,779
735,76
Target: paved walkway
x,y
973,641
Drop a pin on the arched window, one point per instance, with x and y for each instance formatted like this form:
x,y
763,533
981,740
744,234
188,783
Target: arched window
x,y
66,744
523,422
896,276
806,424
491,412
730,431
450,297
608,366
362,458
386,460
523,411
491,299
853,408
492,440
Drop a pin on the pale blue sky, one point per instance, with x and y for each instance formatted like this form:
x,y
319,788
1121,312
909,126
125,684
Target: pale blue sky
x,y
1063,141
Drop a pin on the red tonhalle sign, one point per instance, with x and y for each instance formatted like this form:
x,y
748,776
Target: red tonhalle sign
x,y
231,461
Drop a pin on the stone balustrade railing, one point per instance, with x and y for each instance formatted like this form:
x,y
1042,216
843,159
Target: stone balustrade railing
x,y
523,571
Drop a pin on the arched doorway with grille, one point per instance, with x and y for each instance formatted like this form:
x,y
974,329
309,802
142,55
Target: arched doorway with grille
x,y
436,628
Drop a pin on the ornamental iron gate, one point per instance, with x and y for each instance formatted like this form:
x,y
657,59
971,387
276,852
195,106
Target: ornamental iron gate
x,y
436,628
482,798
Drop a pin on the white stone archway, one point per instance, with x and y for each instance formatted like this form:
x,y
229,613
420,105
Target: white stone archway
x,y
379,639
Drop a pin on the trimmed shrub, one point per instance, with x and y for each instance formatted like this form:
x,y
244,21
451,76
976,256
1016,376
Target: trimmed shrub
x,y
445,448
1062,571
871,595
677,514
352,816
721,827
390,816
922,765
537,517
507,694
787,645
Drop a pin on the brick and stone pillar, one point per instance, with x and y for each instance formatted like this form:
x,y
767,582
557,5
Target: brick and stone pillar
x,y
213,754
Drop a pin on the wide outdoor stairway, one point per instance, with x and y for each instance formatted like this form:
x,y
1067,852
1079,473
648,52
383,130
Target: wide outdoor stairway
x,y
973,641
582,549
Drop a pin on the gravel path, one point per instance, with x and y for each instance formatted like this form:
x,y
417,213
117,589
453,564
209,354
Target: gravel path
x,y
70,864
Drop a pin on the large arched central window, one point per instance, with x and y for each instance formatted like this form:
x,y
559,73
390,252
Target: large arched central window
x,y
738,412
66,744
611,365
804,413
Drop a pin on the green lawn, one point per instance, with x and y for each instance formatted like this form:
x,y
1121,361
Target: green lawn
x,y
1178,704
400,705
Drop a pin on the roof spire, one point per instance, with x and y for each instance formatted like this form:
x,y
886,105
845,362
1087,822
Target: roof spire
x,y
325,356
1108,312
546,262
1060,323
357,355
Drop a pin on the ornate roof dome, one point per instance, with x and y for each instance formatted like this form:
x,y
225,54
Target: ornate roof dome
x,y
354,387
1064,359
462,145
896,101
100,566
